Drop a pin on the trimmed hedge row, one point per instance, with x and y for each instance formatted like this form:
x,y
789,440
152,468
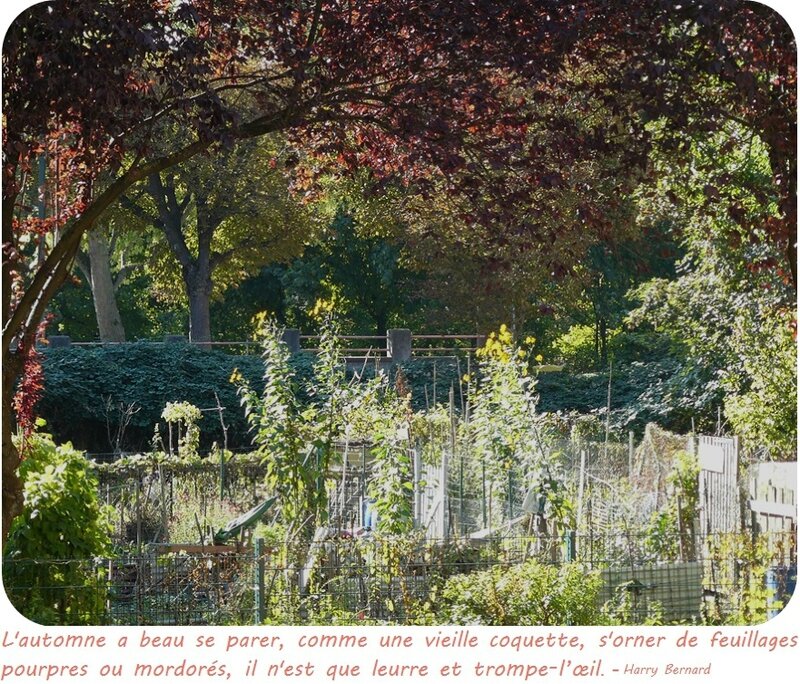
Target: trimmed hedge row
x,y
86,389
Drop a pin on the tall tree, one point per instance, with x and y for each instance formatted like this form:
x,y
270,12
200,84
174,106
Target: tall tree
x,y
613,269
696,68
221,219
400,87
362,271
735,318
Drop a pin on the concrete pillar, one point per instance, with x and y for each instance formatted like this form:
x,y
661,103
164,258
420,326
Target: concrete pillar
x,y
174,339
291,338
398,344
57,341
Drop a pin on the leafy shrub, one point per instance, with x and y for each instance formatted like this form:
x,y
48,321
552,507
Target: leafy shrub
x,y
626,346
671,532
576,349
505,427
284,435
662,392
419,374
63,521
625,609
765,410
527,594
85,386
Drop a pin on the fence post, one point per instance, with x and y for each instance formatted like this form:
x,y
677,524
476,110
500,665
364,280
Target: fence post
x,y
452,457
445,499
138,512
291,338
398,344
461,513
510,495
571,550
258,586
222,475
417,488
630,453
581,481
483,493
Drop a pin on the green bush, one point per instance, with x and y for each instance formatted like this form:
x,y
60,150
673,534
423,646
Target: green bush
x,y
575,348
88,389
527,594
627,346
62,521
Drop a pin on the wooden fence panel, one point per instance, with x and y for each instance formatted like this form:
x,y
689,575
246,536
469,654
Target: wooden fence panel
x,y
720,509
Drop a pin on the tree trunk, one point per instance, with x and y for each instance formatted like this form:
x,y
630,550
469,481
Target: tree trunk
x,y
198,290
12,485
109,322
381,322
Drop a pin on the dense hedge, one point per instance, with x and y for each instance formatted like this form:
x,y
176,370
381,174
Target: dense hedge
x,y
84,388
641,393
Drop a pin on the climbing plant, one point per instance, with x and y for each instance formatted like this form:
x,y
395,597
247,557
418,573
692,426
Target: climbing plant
x,y
671,531
183,417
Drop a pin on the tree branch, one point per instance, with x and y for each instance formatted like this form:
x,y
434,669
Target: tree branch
x,y
64,250
139,212
123,273
218,258
83,264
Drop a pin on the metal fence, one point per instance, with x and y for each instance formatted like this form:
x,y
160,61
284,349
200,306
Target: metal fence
x,y
147,589
454,497
155,501
356,346
476,499
733,578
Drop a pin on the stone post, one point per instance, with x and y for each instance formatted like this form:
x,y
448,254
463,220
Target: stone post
x,y
398,344
291,338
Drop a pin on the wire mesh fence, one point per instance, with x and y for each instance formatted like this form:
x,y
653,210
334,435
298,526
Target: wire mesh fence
x,y
457,491
134,590
732,578
153,501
